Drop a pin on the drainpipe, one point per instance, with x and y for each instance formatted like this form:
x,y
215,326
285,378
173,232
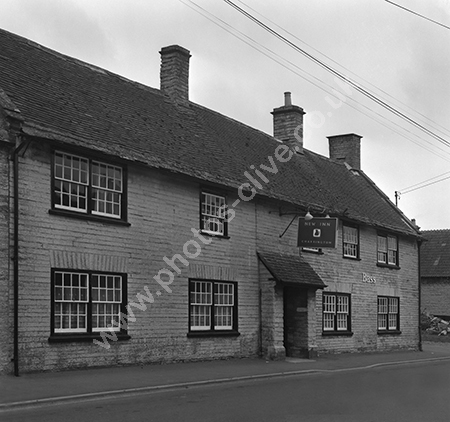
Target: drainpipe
x,y
419,244
15,258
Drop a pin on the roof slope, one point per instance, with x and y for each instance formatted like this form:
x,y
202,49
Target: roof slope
x,y
65,99
435,254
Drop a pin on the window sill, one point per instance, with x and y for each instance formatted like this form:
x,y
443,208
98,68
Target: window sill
x,y
218,333
83,337
89,217
392,267
217,236
353,258
337,333
389,332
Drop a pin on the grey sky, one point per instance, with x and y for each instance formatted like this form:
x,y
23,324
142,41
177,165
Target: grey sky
x,y
373,42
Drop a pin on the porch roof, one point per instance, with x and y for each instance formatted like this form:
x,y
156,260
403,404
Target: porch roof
x,y
290,269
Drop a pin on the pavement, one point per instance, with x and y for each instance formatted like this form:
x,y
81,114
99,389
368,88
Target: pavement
x,y
39,389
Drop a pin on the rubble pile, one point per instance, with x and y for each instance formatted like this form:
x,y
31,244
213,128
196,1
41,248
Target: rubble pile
x,y
435,325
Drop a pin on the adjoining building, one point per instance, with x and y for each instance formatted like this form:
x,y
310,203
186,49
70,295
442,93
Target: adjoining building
x,y
435,273
140,227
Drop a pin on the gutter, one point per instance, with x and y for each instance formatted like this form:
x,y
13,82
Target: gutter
x,y
15,258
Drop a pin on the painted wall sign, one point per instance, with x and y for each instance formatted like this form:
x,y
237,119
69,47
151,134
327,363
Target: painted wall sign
x,y
317,233
368,279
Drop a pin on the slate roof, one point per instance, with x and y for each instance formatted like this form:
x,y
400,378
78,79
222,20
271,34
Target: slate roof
x,y
435,254
290,269
63,99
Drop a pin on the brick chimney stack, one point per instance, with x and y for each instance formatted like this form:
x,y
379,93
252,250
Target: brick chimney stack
x,y
174,73
346,148
288,124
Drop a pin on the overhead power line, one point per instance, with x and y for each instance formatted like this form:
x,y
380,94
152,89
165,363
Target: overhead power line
x,y
420,185
437,126
292,67
425,183
339,75
418,14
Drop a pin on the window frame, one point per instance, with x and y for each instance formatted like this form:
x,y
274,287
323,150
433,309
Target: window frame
x,y
344,243
212,329
89,212
387,328
335,330
89,333
387,262
224,219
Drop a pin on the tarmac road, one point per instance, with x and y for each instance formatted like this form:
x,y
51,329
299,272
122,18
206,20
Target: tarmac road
x,y
407,392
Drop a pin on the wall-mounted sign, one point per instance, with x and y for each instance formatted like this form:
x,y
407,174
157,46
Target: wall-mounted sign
x,y
368,279
317,233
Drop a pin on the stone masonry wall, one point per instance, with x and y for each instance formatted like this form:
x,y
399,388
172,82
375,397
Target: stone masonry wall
x,y
436,295
346,276
6,297
272,346
161,210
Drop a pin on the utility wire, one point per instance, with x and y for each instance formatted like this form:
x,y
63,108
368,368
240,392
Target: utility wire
x,y
425,183
337,74
238,34
418,14
424,186
224,25
443,129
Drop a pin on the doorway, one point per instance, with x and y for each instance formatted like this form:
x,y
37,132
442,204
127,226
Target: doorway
x,y
295,303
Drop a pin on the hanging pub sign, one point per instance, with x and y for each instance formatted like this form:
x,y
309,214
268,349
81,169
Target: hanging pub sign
x,y
317,232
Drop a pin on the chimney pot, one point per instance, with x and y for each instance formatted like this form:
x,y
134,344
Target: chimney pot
x,y
287,99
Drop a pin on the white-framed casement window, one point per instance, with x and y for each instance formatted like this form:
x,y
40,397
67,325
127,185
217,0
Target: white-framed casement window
x,y
388,313
88,186
387,250
85,302
213,214
336,313
212,306
350,241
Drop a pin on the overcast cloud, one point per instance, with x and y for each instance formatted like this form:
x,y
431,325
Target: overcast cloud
x,y
374,42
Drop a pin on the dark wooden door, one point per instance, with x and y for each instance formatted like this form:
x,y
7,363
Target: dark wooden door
x,y
295,321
